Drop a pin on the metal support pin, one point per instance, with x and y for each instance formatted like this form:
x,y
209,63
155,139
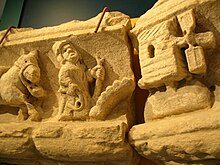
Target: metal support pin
x,y
101,18
7,31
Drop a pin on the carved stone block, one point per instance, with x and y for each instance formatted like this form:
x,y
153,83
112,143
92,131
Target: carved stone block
x,y
66,93
188,138
182,111
196,60
164,67
174,102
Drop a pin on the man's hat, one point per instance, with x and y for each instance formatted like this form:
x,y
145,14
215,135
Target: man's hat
x,y
58,45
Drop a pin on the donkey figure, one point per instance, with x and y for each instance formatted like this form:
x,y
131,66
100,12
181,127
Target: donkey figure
x,y
19,86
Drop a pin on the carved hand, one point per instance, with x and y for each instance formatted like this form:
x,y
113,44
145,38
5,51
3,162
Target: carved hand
x,y
98,72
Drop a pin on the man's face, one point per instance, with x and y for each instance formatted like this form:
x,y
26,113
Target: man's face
x,y
70,54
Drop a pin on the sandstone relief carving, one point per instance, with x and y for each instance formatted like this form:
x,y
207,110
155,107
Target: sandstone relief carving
x,y
112,96
81,87
78,84
178,43
74,80
19,86
158,45
172,59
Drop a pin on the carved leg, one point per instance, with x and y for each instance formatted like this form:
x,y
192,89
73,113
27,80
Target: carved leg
x,y
33,113
63,114
67,113
66,116
22,113
62,104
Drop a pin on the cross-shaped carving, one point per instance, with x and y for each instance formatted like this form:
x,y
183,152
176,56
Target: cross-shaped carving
x,y
161,59
196,42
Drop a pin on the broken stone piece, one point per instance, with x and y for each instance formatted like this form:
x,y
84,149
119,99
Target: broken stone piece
x,y
78,78
121,89
189,138
171,102
183,106
196,60
167,65
20,86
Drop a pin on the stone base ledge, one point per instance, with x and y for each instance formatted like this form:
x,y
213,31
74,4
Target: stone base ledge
x,y
185,138
65,142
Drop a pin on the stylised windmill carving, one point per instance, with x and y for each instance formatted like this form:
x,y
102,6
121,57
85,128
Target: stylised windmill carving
x,y
161,58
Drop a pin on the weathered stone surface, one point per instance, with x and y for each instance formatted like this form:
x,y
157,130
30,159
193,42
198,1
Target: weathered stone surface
x,y
173,102
114,27
70,142
120,88
173,55
165,66
63,73
87,138
178,44
161,50
185,138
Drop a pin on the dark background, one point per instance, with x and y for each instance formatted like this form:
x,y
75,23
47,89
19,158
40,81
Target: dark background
x,y
39,13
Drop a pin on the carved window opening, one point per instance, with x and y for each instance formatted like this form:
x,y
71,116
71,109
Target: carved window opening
x,y
151,51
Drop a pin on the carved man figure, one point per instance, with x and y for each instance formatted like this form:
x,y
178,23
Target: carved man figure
x,y
74,80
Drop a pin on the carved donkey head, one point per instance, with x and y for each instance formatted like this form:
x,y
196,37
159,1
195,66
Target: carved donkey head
x,y
29,66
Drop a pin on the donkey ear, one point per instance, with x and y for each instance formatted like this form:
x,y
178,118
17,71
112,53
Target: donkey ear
x,y
24,51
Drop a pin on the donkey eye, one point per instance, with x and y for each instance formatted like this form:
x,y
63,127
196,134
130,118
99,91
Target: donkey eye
x,y
64,50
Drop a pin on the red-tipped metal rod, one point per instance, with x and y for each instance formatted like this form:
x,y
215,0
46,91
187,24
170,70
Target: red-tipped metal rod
x,y
101,18
7,31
